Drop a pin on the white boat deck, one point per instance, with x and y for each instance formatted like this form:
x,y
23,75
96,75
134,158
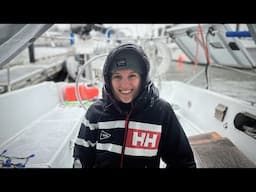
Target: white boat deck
x,y
41,125
197,113
49,138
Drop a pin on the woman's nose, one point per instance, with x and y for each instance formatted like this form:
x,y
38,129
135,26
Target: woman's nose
x,y
125,82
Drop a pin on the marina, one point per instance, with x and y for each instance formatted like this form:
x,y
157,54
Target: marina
x,y
207,76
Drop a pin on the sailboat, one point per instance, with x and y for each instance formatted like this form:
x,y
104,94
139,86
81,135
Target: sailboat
x,y
39,123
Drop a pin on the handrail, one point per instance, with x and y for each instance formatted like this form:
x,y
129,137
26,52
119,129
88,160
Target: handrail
x,y
79,74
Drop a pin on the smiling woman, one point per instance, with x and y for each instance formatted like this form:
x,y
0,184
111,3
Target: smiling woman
x,y
131,126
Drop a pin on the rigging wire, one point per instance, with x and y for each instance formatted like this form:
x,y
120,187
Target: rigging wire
x,y
207,59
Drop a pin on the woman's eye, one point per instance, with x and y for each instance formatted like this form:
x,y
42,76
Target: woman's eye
x,y
132,76
117,77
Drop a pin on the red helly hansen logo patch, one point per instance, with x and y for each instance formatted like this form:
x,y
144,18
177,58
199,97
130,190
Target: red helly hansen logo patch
x,y
142,139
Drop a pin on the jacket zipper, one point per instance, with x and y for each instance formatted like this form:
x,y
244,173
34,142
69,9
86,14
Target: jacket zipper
x,y
125,138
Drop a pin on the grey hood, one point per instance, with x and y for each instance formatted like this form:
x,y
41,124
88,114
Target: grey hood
x,y
144,62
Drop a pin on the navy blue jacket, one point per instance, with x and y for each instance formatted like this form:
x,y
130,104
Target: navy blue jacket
x,y
133,135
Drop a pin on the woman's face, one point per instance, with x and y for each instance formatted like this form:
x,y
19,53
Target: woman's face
x,y
125,84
